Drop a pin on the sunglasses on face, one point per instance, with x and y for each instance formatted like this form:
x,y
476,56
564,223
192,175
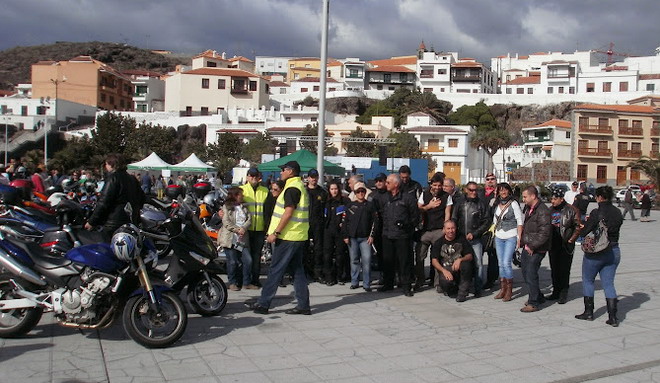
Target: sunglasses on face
x,y
360,191
472,190
490,179
274,190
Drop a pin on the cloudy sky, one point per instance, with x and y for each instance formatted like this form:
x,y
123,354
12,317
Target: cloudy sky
x,y
368,29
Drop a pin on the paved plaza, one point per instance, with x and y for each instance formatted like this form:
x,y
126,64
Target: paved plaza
x,y
357,337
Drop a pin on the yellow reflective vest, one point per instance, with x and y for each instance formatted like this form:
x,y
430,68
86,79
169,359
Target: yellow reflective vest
x,y
298,226
254,200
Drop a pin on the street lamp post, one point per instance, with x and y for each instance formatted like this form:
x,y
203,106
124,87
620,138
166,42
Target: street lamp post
x,y
55,81
6,112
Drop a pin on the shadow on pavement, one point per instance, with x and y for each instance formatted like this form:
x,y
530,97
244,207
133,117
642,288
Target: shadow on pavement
x,y
626,304
9,352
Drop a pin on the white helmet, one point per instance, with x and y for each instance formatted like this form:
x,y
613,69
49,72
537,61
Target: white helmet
x,y
126,243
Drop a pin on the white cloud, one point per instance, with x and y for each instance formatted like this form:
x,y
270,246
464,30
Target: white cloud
x,y
550,28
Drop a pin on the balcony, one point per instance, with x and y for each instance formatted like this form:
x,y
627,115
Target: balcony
x,y
654,154
239,90
655,132
595,152
628,131
425,74
596,129
634,154
466,78
353,76
537,139
434,149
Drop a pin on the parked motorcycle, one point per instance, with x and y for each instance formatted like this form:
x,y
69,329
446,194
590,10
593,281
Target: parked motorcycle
x,y
89,288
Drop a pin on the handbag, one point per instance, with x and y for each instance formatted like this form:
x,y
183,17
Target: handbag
x,y
266,252
596,241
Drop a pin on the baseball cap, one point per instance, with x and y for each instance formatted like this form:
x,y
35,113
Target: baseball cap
x,y
380,177
359,185
405,169
292,165
313,173
558,193
575,183
253,172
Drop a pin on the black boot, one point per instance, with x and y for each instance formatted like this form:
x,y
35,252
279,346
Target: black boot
x,y
563,296
553,296
611,312
588,313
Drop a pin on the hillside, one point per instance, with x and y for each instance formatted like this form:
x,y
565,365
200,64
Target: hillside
x,y
15,63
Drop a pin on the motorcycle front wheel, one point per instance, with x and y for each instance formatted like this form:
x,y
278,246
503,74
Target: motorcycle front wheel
x,y
155,328
15,322
207,299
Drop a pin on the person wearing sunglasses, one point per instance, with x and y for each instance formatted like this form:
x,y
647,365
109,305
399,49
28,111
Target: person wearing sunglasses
x,y
489,196
358,230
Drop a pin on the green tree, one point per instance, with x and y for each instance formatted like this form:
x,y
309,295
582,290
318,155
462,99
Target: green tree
x,y
379,108
261,144
360,149
406,146
405,101
148,138
428,103
112,133
77,153
312,146
650,167
226,153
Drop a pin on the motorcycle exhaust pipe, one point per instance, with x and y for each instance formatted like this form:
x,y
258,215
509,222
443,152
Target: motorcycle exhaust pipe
x,y
9,263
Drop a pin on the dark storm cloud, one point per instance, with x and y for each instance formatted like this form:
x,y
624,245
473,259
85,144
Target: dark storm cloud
x,y
358,28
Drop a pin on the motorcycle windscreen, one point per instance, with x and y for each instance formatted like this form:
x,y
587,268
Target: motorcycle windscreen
x,y
194,238
98,256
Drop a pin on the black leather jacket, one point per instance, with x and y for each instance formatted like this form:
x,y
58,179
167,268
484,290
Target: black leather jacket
x,y
472,216
119,188
361,220
400,216
612,217
569,226
537,229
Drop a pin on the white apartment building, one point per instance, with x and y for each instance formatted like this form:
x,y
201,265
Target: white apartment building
x,y
313,84
149,93
551,139
434,70
271,65
242,63
208,90
211,59
350,71
390,78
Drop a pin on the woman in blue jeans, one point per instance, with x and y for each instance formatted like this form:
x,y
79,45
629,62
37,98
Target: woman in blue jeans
x,y
603,263
508,220
234,239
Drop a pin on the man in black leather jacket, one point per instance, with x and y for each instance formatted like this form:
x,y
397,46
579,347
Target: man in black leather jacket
x,y
380,196
472,217
566,223
119,188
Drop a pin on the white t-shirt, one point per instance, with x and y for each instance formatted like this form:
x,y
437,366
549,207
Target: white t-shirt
x,y
517,212
569,196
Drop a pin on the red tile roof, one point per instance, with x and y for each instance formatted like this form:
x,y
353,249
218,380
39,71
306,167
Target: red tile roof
x,y
137,72
523,57
309,69
467,64
238,131
210,53
278,83
524,80
241,58
539,53
5,93
403,60
334,63
314,79
391,68
435,129
654,76
618,108
466,59
555,122
221,72
284,129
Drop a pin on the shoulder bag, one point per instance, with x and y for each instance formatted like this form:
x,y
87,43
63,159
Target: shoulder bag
x,y
596,241
490,234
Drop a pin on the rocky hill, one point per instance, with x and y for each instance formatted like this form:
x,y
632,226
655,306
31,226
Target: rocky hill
x,y
15,63
515,117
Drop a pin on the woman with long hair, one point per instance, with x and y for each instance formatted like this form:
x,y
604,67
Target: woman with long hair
x,y
508,220
234,239
605,262
335,259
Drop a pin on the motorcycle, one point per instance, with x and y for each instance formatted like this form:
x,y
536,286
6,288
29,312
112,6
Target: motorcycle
x,y
89,288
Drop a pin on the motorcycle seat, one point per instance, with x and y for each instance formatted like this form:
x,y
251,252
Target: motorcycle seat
x,y
87,237
40,257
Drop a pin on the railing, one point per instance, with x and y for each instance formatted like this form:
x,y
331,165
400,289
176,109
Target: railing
x,y
655,132
596,129
538,139
466,77
630,153
654,154
628,131
239,90
354,76
594,152
434,149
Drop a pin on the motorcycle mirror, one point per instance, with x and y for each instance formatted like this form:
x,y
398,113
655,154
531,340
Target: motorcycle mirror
x,y
129,210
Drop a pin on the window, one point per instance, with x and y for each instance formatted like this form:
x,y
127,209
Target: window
x,y
387,78
571,71
222,83
121,103
41,110
636,146
591,87
442,71
550,90
607,87
637,124
520,91
623,123
622,146
24,110
582,172
650,87
561,89
253,86
205,83
205,111
453,143
655,147
428,90
112,99
530,90
433,145
442,90
188,110
634,174
603,123
211,64
304,90
553,72
102,97
315,88
287,119
332,89
583,144
296,76
571,90
602,146
583,121
403,77
379,87
475,90
568,135
314,119
291,66
508,78
623,86
282,90
307,65
508,90
353,73
391,88
601,174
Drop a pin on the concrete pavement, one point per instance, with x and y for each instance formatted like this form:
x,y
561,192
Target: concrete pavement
x,y
380,337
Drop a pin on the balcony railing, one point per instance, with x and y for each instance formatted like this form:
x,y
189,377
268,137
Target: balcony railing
x,y
424,74
239,90
628,131
595,152
538,139
466,77
655,132
596,129
654,154
629,153
434,149
353,76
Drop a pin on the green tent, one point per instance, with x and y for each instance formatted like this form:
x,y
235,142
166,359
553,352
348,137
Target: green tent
x,y
306,160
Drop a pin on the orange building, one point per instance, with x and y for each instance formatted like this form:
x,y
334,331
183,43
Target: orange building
x,y
83,80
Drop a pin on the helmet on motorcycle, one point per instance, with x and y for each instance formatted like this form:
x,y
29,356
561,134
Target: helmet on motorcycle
x,y
126,243
209,199
69,184
54,189
204,211
90,186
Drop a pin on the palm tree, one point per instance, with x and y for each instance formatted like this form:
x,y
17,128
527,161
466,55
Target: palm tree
x,y
427,102
491,141
650,167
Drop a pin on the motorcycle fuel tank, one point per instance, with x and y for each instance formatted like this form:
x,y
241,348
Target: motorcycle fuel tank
x,y
98,256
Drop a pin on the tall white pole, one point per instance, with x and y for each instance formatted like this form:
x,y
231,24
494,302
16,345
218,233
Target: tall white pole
x,y
322,79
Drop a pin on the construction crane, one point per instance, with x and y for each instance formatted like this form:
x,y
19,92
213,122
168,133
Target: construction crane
x,y
611,53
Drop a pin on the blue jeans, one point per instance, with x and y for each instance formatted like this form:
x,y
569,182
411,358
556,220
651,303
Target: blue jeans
x,y
360,249
530,264
480,270
604,263
285,254
505,249
234,257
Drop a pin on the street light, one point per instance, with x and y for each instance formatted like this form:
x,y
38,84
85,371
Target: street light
x,y
46,126
5,113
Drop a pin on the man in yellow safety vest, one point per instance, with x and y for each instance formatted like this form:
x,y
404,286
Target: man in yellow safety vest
x,y
288,230
254,196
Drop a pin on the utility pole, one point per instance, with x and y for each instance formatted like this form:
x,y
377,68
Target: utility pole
x,y
322,79
55,81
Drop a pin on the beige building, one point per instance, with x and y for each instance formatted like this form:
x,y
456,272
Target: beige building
x,y
610,136
83,80
205,91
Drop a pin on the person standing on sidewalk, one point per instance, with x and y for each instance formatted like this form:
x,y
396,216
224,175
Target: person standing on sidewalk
x,y
313,259
473,219
233,238
488,195
508,220
358,230
536,237
335,262
254,197
604,262
645,205
288,230
628,204
379,196
566,224
400,217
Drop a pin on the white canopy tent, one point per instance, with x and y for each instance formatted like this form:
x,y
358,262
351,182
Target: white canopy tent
x,y
191,164
152,162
